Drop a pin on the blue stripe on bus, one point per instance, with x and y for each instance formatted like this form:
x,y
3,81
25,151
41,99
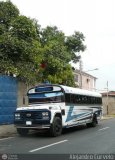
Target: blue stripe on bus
x,y
70,116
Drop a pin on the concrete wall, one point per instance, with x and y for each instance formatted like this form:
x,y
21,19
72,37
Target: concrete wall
x,y
22,94
110,109
22,99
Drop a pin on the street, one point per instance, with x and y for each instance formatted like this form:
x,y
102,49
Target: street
x,y
80,140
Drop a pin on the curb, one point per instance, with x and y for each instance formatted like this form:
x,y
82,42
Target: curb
x,y
107,117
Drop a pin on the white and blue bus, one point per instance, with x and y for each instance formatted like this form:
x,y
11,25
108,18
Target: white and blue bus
x,y
54,107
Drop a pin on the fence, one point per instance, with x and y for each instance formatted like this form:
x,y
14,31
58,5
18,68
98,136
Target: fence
x,y
8,99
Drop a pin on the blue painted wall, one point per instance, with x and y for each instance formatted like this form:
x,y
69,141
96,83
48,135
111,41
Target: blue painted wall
x,y
8,99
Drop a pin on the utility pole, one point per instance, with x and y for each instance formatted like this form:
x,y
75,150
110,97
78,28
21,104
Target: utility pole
x,y
107,99
80,69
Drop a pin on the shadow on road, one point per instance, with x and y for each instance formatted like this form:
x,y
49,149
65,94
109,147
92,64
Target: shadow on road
x,y
64,132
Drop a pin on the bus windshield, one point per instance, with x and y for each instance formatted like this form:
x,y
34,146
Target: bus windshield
x,y
46,97
46,94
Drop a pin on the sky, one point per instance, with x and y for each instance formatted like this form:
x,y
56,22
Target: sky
x,y
94,18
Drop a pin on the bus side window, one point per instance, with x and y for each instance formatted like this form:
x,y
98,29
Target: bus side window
x,y
62,98
76,99
92,100
99,101
73,98
79,99
96,100
67,98
88,100
83,99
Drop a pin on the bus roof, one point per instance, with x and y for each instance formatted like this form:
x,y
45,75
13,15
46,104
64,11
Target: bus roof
x,y
80,91
67,89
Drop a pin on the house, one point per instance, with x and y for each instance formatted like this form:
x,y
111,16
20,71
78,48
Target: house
x,y
84,80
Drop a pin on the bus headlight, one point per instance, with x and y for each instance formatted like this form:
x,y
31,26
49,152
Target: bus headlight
x,y
17,116
45,115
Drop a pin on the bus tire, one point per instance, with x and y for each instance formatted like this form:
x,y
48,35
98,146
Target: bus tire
x,y
56,127
94,122
22,131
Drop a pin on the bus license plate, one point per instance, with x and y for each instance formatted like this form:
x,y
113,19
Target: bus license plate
x,y
28,123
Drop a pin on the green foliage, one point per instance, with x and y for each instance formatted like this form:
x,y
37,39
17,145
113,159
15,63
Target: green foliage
x,y
8,12
20,50
59,50
23,28
75,44
34,54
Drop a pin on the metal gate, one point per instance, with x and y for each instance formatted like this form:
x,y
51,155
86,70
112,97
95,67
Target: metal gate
x,y
8,99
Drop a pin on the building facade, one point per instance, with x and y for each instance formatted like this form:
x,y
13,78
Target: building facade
x,y
84,80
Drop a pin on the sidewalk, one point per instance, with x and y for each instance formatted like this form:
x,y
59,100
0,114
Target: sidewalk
x,y
10,130
7,130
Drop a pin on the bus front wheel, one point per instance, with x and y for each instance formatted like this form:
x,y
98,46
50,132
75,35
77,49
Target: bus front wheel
x,y
56,127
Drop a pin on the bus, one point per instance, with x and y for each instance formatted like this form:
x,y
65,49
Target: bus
x,y
54,107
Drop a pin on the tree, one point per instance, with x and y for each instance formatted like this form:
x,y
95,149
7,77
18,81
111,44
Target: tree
x,y
8,12
75,44
33,53
20,49
59,50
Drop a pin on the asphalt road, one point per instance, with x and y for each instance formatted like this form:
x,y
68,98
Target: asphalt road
x,y
80,140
